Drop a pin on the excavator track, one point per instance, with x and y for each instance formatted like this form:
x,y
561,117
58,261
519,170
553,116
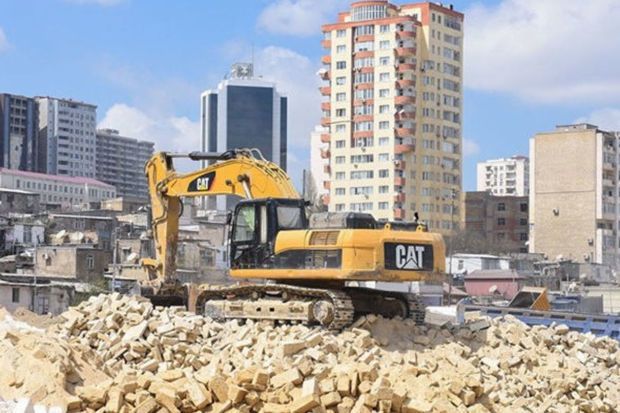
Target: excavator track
x,y
332,308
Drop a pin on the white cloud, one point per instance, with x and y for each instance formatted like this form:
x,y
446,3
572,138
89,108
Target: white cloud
x,y
105,3
299,17
606,119
170,133
470,147
4,42
545,51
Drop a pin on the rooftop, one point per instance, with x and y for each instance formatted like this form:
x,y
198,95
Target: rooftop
x,y
494,275
79,180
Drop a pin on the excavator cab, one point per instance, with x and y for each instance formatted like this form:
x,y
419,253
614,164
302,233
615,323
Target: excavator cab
x,y
255,224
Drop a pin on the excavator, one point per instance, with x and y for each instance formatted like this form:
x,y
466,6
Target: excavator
x,y
289,266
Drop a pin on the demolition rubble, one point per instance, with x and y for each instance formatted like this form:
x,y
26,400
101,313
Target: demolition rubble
x,y
121,354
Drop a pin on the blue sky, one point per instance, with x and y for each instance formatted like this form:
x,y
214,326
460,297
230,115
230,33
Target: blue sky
x,y
528,64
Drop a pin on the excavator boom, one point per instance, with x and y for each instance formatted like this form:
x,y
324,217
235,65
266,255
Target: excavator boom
x,y
237,172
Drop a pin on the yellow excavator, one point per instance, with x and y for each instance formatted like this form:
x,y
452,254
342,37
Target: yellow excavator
x,y
290,267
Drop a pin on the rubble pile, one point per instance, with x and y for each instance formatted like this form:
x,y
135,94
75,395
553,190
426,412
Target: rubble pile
x,y
165,359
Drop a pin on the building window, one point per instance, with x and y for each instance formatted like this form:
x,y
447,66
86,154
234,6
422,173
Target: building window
x,y
384,77
384,28
523,221
384,205
339,207
341,113
523,236
341,33
384,189
384,44
384,61
384,173
341,48
340,191
340,176
340,159
384,124
90,262
501,221
383,93
341,80
501,206
341,97
15,293
501,236
341,64
384,141
523,207
340,143
341,128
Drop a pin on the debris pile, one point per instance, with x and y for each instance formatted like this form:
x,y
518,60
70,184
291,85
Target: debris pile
x,y
153,358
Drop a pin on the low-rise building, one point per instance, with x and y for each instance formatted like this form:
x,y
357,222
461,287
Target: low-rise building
x,y
41,297
495,283
467,263
58,192
81,229
124,204
18,201
500,221
74,262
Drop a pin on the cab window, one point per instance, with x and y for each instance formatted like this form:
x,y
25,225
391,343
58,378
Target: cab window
x,y
289,217
245,223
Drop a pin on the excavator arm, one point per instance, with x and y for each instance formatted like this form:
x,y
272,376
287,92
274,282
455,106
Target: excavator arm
x,y
242,172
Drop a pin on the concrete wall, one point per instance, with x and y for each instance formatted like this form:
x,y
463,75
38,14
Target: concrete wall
x,y
563,198
71,262
54,299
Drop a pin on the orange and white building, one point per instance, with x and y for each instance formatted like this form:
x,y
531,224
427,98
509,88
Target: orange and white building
x,y
393,108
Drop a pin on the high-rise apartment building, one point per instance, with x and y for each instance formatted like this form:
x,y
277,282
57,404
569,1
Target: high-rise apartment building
x,y
393,104
67,141
319,163
120,162
244,111
18,132
574,194
505,176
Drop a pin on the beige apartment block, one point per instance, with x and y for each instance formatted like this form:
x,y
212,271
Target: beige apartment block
x,y
573,194
393,103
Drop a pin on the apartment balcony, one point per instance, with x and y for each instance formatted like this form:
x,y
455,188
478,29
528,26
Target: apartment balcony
x,y
405,34
405,67
325,90
364,53
327,169
325,199
363,118
609,166
400,164
361,102
405,51
325,153
399,213
326,106
366,69
326,185
325,137
405,83
404,100
324,74
325,122
326,60
400,181
326,43
365,38
365,85
362,134
399,197
403,114
404,132
404,147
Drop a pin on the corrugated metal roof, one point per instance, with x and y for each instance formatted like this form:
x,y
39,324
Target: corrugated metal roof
x,y
494,275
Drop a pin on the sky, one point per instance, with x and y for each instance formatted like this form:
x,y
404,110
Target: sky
x,y
528,64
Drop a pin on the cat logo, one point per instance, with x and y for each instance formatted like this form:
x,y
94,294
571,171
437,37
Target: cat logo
x,y
202,184
408,257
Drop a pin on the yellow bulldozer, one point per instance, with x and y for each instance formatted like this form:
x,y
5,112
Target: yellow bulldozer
x,y
291,267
